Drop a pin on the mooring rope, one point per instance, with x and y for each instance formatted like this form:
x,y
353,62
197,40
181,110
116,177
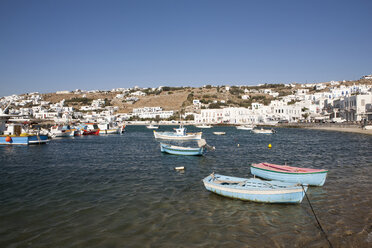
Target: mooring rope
x,y
316,218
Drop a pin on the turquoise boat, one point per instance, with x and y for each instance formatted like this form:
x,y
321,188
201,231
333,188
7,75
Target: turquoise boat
x,y
180,150
254,189
313,177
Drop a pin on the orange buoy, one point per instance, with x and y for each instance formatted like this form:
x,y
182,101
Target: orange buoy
x,y
8,139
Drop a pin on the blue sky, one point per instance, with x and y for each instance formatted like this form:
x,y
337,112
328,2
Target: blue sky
x,y
51,45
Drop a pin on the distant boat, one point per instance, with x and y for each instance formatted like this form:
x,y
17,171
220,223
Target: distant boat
x,y
91,132
62,131
204,126
107,128
254,189
90,129
219,133
180,150
315,177
180,134
152,127
246,127
264,131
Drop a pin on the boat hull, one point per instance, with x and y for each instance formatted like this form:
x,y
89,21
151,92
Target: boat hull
x,y
67,133
219,133
264,131
177,150
244,128
256,190
24,140
110,131
91,132
173,136
312,178
203,126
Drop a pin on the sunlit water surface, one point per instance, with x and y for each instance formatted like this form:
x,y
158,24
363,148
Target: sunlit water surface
x,y
121,191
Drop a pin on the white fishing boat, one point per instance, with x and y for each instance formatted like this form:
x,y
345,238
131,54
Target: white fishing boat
x,y
107,128
263,131
152,127
61,131
246,127
219,133
204,126
180,134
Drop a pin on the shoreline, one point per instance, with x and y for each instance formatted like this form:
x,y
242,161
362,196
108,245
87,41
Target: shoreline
x,y
342,129
334,128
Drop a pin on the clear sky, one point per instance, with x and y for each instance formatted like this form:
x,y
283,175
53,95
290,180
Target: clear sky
x,y
55,45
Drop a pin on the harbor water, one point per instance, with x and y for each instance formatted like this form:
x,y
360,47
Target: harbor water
x,y
121,191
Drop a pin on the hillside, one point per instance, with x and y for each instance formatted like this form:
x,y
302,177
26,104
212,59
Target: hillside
x,y
176,98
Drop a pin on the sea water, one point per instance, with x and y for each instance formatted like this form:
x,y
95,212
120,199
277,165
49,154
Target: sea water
x,y
121,191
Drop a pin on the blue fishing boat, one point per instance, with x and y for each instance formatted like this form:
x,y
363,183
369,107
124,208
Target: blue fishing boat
x,y
314,177
19,133
180,150
254,189
23,139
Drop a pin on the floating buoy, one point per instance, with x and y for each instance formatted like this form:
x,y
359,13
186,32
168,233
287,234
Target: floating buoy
x,y
8,139
179,168
269,146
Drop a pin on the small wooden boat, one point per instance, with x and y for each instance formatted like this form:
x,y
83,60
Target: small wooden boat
x,y
180,150
254,189
180,134
264,131
219,133
314,177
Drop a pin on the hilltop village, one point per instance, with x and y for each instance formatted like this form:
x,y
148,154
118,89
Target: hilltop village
x,y
335,101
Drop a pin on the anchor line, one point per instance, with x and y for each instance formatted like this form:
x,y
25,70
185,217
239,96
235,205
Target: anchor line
x,y
316,218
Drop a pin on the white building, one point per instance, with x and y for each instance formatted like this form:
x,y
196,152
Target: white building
x,y
367,77
357,107
63,92
138,93
152,113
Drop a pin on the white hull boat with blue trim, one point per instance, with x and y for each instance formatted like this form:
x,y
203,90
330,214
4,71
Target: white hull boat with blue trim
x,y
180,134
254,189
314,177
180,150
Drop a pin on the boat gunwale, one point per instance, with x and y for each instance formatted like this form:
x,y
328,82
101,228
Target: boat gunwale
x,y
176,135
179,148
291,173
259,191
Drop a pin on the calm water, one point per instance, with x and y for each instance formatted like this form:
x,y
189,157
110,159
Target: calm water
x,y
121,191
